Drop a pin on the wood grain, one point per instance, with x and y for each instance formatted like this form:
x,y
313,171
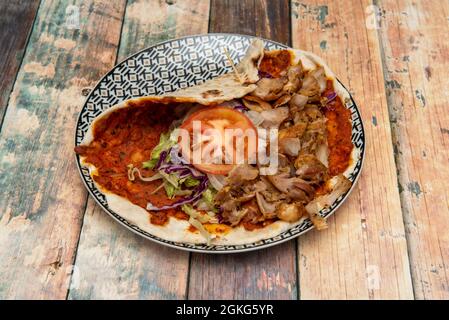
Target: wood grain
x,y
363,254
113,262
263,274
414,39
16,22
42,197
269,273
262,18
170,19
396,74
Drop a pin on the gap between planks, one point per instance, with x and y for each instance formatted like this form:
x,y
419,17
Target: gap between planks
x,y
413,37
369,227
37,136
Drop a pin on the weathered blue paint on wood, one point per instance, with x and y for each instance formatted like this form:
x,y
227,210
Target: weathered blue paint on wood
x,y
43,200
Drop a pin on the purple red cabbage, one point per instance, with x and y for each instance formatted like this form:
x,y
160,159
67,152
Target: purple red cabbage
x,y
331,96
196,194
175,157
161,159
241,108
263,74
183,170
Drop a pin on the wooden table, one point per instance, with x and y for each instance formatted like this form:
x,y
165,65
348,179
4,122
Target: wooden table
x,y
390,240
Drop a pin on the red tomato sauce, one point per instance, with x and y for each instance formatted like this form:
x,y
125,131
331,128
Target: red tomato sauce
x,y
339,131
274,62
127,137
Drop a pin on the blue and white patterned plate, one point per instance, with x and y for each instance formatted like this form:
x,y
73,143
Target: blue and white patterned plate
x,y
175,64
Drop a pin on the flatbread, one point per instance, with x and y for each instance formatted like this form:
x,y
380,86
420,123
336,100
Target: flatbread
x,y
215,91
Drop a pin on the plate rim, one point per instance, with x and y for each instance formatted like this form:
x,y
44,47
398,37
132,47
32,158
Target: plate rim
x,y
173,244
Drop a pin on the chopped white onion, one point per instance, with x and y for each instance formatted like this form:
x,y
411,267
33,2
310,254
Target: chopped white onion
x,y
320,76
255,117
290,146
298,100
202,205
231,103
132,171
217,181
340,184
151,207
322,154
273,118
201,229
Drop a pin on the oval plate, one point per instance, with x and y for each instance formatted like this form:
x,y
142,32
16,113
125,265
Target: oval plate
x,y
181,63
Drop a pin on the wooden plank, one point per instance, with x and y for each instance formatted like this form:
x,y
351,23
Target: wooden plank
x,y
262,18
363,254
265,274
112,261
414,38
42,200
170,19
16,21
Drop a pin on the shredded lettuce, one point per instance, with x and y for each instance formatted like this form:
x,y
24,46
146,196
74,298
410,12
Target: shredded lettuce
x,y
203,218
163,157
197,219
189,210
194,222
171,178
170,190
191,182
165,142
172,184
150,163
208,197
184,192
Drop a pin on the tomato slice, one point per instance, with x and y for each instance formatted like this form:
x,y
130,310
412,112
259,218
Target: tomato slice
x,y
223,120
